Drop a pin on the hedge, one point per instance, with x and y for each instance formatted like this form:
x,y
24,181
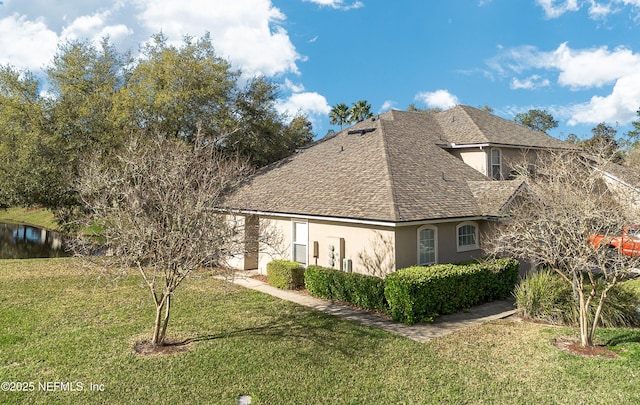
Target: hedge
x,y
418,294
285,274
359,289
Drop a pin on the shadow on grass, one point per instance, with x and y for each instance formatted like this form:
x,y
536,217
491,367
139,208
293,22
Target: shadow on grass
x,y
315,329
624,337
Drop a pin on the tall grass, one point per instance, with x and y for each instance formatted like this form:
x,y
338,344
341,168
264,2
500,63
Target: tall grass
x,y
545,296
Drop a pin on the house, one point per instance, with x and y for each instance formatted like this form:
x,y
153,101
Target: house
x,y
396,190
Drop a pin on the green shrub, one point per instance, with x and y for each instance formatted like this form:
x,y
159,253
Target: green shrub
x,y
285,274
418,294
358,289
542,296
545,296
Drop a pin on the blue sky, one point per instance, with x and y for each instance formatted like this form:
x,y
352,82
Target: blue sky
x,y
579,60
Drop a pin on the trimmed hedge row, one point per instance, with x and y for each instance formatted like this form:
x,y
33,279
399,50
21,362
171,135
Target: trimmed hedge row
x,y
418,294
285,274
358,289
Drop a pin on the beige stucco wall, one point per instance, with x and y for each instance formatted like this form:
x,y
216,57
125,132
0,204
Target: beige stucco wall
x,y
480,158
278,243
359,239
474,157
407,244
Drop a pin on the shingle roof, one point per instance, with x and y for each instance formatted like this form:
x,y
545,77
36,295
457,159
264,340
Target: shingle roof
x,y
468,125
394,172
494,196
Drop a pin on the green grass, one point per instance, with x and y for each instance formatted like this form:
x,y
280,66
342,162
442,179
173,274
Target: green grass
x,y
40,217
58,324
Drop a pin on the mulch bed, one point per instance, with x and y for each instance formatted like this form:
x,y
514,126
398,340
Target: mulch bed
x,y
571,345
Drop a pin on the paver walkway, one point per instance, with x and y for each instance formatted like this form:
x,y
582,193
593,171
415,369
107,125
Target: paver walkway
x,y
443,325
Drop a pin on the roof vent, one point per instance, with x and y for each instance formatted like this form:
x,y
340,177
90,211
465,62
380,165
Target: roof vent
x,y
360,131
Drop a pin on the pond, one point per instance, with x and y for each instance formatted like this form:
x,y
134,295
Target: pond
x,y
25,242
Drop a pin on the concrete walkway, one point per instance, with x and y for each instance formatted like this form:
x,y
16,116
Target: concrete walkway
x,y
443,325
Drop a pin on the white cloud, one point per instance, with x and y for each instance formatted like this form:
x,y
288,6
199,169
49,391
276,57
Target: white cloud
x,y
337,4
94,27
311,104
296,88
597,9
387,105
620,106
555,8
247,32
592,67
531,82
26,44
438,99
582,69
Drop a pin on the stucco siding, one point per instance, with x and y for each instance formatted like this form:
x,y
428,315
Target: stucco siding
x,y
474,157
447,250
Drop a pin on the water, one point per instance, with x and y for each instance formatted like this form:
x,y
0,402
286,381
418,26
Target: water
x,y
26,242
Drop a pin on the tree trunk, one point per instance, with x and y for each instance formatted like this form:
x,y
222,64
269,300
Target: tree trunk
x,y
158,330
165,321
585,337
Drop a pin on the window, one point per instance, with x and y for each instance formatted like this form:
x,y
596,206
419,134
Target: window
x,y
467,236
299,242
427,245
496,164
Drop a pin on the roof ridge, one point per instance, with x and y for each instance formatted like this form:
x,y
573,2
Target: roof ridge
x,y
395,213
475,124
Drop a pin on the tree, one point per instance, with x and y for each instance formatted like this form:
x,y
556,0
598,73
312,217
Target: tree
x,y
634,134
259,131
603,143
97,97
570,200
360,111
84,82
413,108
339,114
22,113
179,91
156,207
538,120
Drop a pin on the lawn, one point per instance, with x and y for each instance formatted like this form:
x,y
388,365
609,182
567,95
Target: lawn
x,y
59,325
40,217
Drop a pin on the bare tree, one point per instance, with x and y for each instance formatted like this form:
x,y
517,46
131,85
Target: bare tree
x,y
569,201
155,205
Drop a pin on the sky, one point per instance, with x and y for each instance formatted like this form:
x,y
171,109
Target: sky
x,y
577,59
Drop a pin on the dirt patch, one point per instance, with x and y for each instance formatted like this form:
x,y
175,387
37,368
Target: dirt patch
x,y
260,277
573,346
146,348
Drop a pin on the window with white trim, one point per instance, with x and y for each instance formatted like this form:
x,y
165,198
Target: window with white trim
x,y
300,232
467,235
496,164
427,245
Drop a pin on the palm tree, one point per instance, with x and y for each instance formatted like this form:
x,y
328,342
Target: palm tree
x,y
339,114
360,111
